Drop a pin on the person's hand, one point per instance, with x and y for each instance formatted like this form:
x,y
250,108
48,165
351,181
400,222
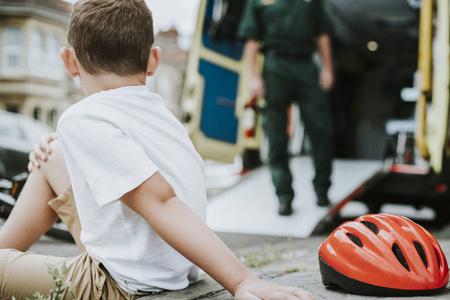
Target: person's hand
x,y
40,151
326,79
257,289
258,86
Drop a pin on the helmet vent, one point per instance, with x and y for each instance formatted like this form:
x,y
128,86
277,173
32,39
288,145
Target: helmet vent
x,y
371,226
355,239
398,253
437,256
421,252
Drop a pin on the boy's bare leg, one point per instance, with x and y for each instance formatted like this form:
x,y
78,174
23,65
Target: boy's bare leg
x,y
32,216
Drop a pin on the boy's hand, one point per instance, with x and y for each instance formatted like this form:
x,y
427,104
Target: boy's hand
x,y
40,151
256,289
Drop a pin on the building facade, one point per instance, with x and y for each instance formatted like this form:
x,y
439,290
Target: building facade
x,y
33,81
32,77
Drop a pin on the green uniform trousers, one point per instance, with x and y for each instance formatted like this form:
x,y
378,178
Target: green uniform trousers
x,y
289,81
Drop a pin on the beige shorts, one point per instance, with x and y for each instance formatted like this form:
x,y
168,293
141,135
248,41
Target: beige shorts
x,y
22,274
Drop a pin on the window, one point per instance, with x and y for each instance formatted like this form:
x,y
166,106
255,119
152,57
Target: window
x,y
54,66
14,108
45,61
52,117
37,113
12,51
36,55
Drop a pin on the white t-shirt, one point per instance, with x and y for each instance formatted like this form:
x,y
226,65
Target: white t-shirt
x,y
112,142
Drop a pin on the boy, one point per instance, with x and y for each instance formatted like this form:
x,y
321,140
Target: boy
x,y
137,180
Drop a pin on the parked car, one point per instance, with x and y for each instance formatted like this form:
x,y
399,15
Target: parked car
x,y
18,134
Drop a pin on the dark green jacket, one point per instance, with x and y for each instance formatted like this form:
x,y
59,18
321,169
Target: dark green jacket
x,y
284,25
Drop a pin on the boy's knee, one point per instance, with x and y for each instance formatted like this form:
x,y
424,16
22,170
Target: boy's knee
x,y
55,159
55,145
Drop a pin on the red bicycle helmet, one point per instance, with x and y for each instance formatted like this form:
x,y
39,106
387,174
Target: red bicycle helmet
x,y
383,255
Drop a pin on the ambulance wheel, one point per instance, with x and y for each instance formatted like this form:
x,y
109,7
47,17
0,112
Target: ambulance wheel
x,y
373,207
441,215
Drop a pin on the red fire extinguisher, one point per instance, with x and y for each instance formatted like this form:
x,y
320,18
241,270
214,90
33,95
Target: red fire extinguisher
x,y
249,122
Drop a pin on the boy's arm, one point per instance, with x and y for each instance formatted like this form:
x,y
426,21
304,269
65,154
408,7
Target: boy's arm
x,y
181,228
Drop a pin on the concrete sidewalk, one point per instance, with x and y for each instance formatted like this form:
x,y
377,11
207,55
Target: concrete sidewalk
x,y
264,247
290,263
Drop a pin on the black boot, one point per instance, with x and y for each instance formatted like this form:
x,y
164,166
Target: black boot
x,y
322,199
285,209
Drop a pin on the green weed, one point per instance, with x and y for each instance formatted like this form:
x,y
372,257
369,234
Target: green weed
x,y
258,258
61,286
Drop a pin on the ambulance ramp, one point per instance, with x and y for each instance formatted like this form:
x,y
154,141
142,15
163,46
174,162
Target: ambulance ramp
x,y
251,207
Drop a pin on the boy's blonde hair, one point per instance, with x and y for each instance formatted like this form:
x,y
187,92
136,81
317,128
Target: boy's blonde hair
x,y
111,36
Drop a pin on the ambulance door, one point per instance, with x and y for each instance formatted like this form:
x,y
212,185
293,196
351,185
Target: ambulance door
x,y
216,85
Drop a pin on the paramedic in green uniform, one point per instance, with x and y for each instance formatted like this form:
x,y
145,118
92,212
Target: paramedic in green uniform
x,y
289,31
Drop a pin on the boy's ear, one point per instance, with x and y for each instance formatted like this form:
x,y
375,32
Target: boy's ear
x,y
70,63
153,60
